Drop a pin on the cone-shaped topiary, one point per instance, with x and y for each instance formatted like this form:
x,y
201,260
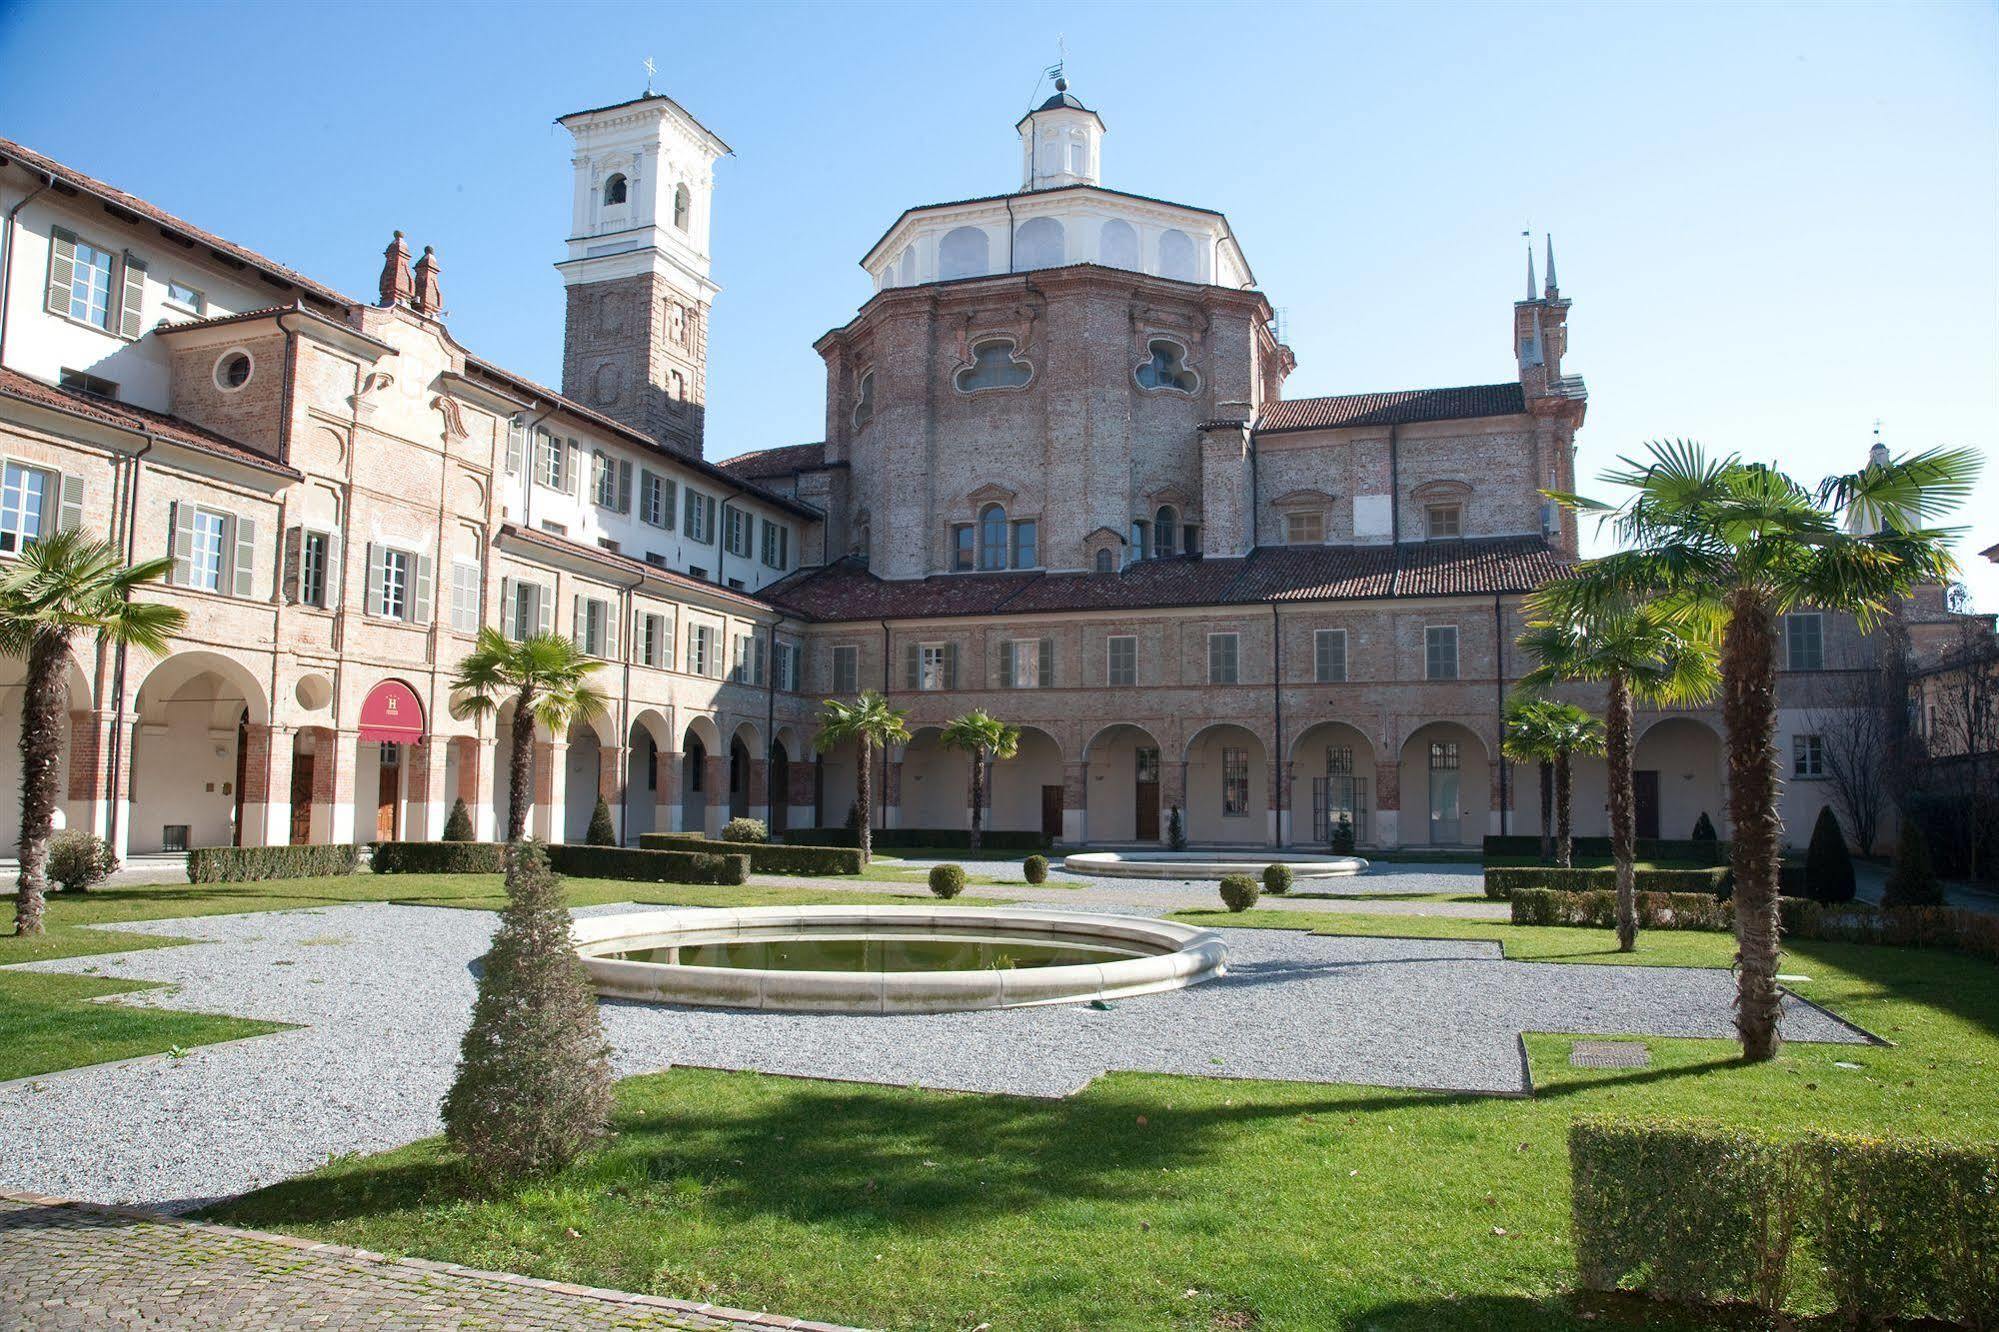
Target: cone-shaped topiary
x,y
1277,879
458,827
947,881
533,1088
600,832
1176,831
1704,829
1828,864
1239,892
1913,882
1035,869
1343,837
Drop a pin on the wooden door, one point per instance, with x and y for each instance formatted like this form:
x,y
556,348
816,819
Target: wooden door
x,y
389,787
301,799
1051,812
1645,799
242,771
1145,794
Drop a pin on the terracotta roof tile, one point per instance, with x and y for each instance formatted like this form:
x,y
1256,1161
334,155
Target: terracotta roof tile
x,y
131,203
1476,567
764,464
1398,408
125,416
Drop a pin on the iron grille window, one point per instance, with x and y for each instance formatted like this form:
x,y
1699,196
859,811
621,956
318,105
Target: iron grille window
x,y
1235,783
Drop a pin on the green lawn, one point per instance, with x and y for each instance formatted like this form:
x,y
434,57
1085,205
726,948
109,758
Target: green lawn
x,y
51,1022
1163,1202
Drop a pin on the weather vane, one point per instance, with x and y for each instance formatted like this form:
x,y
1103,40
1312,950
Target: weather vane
x,y
651,70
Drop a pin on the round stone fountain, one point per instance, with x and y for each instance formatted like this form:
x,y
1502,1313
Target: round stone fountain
x,y
1208,864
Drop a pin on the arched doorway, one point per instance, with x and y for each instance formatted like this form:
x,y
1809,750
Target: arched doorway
x,y
1124,786
936,783
1027,790
391,725
13,687
701,770
582,781
1446,787
1228,787
188,777
1332,774
1678,773
647,782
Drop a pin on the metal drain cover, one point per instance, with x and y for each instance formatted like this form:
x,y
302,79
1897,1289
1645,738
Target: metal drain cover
x,y
1609,1054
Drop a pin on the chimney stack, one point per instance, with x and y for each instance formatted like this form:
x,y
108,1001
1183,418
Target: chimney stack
x,y
429,296
397,285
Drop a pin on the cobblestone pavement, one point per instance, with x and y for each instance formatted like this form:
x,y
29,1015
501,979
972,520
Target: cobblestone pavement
x,y
73,1266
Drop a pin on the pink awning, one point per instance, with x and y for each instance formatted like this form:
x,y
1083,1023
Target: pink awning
x,y
391,714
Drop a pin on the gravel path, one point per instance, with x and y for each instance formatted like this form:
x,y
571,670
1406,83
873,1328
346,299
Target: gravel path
x,y
382,994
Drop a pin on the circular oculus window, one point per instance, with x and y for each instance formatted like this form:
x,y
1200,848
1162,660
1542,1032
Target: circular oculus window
x,y
232,371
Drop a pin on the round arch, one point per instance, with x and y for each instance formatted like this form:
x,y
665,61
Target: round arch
x,y
1688,763
647,741
1332,773
1124,788
1446,786
936,782
1027,792
1228,785
13,694
188,757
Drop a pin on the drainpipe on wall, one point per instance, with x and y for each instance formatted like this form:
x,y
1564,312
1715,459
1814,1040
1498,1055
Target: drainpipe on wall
x,y
1281,776
7,258
770,717
625,716
1499,716
1394,489
880,808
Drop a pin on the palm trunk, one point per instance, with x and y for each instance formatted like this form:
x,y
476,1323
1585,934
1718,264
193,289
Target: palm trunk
x,y
864,788
1749,712
1565,786
42,705
1623,809
520,782
1547,811
978,795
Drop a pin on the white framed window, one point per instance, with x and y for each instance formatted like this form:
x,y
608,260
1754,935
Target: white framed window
x,y
233,369
524,609
90,286
591,627
656,496
1444,520
552,461
739,662
1121,659
1305,527
85,382
651,639
517,443
1440,652
787,667
184,297
776,545
211,530
553,528
1804,641
1329,656
1807,756
934,662
964,547
992,537
1224,658
700,525
467,587
399,584
846,668
394,596
604,479
26,494
737,530
700,649
1027,663
1027,544
315,568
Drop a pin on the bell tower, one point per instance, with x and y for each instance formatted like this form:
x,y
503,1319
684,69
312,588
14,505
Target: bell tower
x,y
635,339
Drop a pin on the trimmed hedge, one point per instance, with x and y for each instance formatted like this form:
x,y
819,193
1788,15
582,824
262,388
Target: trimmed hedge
x,y
1697,849
765,857
648,866
1034,869
945,839
247,864
1706,1213
1975,933
440,857
1501,882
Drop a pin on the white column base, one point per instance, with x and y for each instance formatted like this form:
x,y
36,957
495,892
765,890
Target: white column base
x,y
340,830
1388,827
1076,826
1498,817
801,816
1284,828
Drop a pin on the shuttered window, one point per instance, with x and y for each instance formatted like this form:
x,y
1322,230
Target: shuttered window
x,y
930,666
212,550
35,501
517,442
1121,659
399,584
1027,663
656,496
524,608
650,640
467,587
94,286
208,549
593,628
1224,658
846,668
700,518
1329,654
1440,652
312,567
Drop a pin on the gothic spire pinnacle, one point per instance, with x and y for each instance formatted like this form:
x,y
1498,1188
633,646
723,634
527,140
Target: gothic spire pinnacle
x,y
397,284
1554,289
1532,294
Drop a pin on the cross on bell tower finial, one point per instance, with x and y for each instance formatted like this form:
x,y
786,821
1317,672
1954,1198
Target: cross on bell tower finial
x,y
651,69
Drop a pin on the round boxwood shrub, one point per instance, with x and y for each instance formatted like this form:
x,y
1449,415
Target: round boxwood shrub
x,y
947,881
1239,892
1277,879
1035,869
79,858
745,830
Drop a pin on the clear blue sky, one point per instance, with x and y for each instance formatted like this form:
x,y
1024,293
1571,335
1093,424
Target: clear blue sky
x,y
1777,222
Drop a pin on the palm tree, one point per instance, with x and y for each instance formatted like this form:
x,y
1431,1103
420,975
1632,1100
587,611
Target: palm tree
x,y
1746,543
65,584
1656,651
983,736
548,679
868,721
1551,733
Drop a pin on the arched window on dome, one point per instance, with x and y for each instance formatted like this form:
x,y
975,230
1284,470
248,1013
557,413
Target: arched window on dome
x,y
1167,368
683,203
1165,527
614,190
1038,244
1176,256
1118,247
992,537
962,254
908,265
994,366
